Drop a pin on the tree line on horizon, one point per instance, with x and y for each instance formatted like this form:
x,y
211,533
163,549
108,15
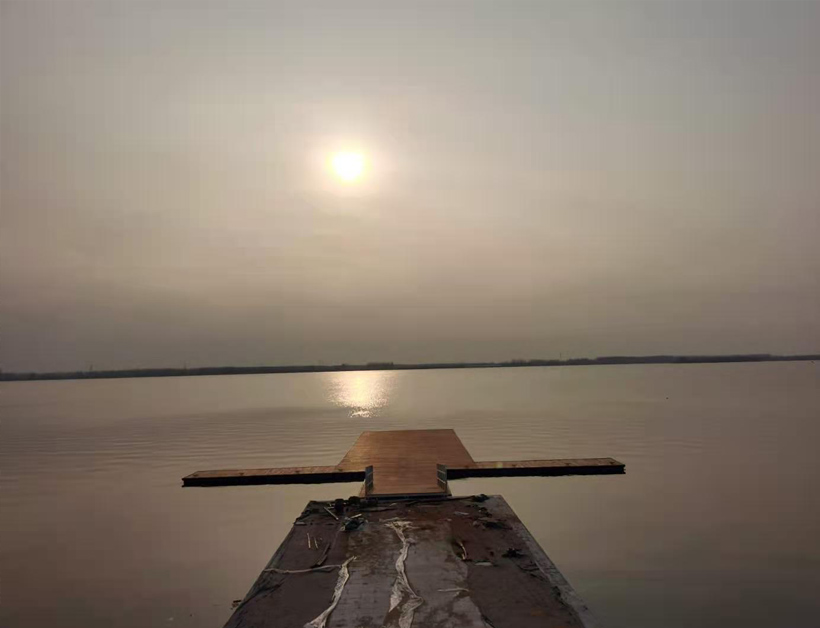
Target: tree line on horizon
x,y
379,366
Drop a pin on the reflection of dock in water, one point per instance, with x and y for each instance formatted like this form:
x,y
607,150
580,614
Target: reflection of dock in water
x,y
405,553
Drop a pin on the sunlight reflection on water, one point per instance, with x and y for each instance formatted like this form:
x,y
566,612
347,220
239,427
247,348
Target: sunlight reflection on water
x,y
363,393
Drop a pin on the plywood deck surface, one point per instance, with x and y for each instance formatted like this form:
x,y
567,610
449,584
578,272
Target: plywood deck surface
x,y
404,461
470,563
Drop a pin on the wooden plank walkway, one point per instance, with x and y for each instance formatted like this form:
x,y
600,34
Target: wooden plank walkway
x,y
404,463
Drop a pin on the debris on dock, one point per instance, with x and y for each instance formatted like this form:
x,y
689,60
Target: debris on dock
x,y
423,565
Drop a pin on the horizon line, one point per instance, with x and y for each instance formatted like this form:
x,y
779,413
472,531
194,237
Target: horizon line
x,y
389,365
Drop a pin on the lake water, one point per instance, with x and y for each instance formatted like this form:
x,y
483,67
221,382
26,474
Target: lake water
x,y
716,522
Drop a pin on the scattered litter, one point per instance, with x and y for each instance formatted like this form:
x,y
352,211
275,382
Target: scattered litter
x,y
480,498
352,524
484,563
463,549
463,514
308,539
235,604
453,590
299,523
326,551
331,513
323,557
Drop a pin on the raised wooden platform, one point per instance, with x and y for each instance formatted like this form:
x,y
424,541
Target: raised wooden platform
x,y
404,463
432,562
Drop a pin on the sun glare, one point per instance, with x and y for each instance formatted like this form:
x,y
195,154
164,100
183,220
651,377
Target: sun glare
x,y
348,166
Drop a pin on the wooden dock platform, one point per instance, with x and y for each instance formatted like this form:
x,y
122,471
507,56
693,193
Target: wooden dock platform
x,y
432,563
405,552
405,463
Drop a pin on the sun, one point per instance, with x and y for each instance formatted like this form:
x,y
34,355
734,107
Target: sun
x,y
349,167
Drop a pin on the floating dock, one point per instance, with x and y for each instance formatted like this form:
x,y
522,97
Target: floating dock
x,y
465,562
405,463
405,552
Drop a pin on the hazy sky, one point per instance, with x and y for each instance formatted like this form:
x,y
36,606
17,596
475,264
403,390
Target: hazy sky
x,y
542,178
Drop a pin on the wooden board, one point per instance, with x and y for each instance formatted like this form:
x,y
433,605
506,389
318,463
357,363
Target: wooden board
x,y
567,466
281,475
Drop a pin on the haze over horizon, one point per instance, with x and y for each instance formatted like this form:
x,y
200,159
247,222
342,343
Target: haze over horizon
x,y
518,180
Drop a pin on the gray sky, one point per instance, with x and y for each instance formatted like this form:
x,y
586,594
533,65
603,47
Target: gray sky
x,y
542,178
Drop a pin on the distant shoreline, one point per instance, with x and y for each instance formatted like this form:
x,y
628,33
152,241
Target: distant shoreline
x,y
390,366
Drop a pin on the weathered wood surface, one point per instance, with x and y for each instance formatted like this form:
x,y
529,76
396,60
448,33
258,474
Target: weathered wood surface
x,y
404,463
281,475
568,466
469,562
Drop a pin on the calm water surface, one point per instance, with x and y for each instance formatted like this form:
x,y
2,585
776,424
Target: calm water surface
x,y
716,523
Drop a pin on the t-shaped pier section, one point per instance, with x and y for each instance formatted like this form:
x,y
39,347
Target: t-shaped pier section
x,y
405,463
